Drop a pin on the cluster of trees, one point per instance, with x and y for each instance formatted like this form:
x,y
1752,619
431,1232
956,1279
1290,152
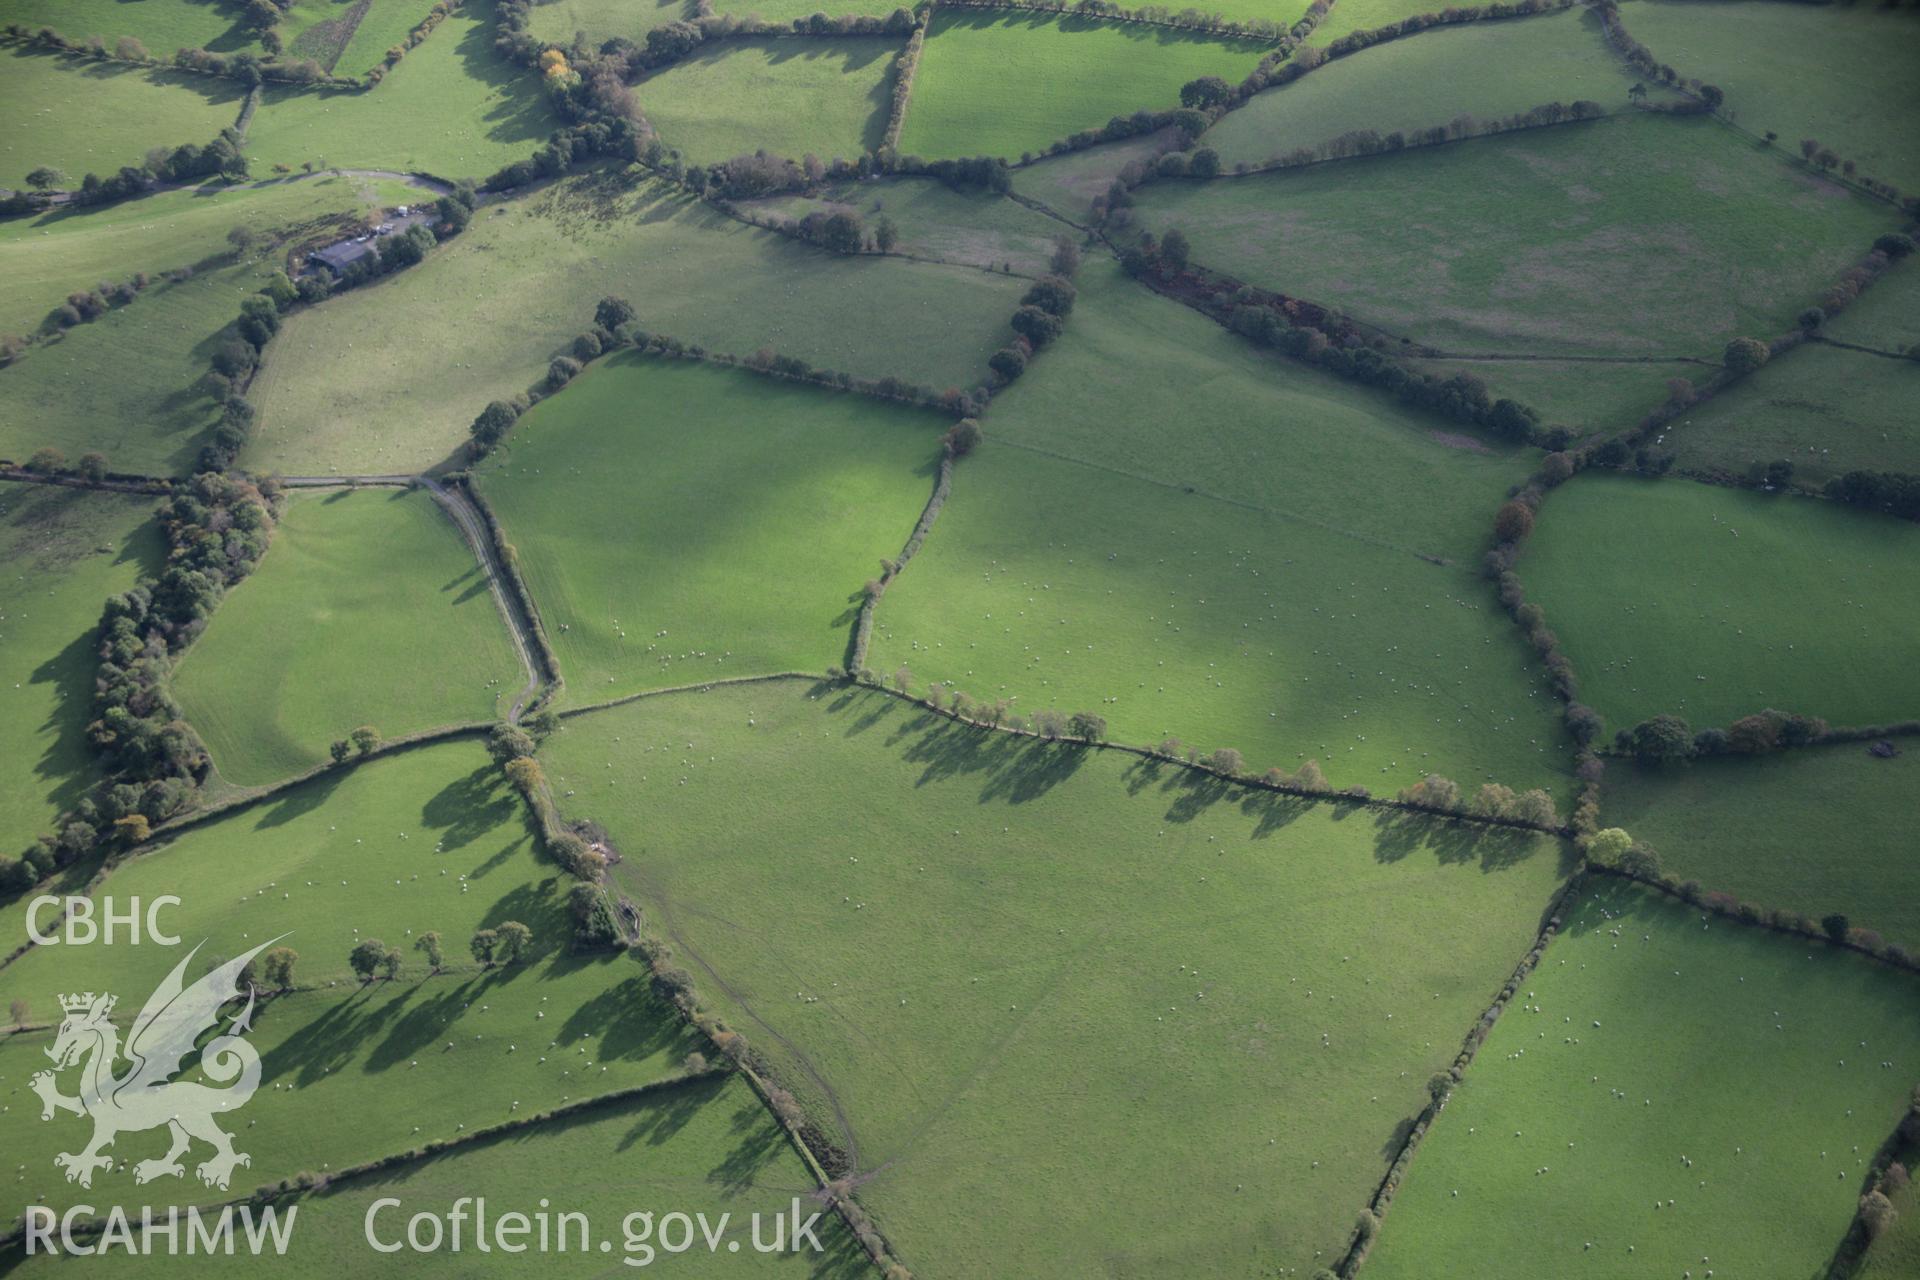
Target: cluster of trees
x,y
1042,315
1669,737
217,528
1896,493
1820,156
83,306
1158,15
1461,396
510,943
842,231
1358,40
220,158
1492,800
245,66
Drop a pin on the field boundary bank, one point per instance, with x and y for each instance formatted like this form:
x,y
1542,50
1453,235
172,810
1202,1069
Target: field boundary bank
x,y
1223,28
862,638
88,1228
509,559
151,486
1388,1187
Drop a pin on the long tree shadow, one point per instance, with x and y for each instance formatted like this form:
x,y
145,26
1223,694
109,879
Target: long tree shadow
x,y
468,808
1399,833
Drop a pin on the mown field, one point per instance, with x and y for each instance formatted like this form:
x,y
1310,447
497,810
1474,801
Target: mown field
x,y
81,116
482,317
1484,70
1668,1094
1768,829
1565,221
65,552
1843,75
162,27
1709,603
992,83
53,254
355,1073
934,221
706,1147
678,522
1221,588
920,971
471,111
369,608
826,98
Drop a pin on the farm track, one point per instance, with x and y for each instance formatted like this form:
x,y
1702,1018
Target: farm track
x,y
460,508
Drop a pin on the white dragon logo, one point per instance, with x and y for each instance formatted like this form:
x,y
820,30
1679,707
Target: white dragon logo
x,y
174,1018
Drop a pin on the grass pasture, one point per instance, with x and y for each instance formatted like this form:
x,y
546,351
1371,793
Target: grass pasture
x,y
428,838
707,1147
1736,1079
1843,74
792,97
1486,70
359,1072
678,522
481,318
1067,183
46,257
559,21
1710,603
1767,829
994,83
65,552
1057,905
451,108
1366,15
975,229
162,25
1567,222
1222,586
81,116
369,608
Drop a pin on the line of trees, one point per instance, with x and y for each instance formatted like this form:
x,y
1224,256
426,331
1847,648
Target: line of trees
x,y
1041,316
221,158
904,70
1157,15
1368,142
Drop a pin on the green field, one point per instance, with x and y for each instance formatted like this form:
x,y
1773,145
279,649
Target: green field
x,y
162,25
1653,587
1765,830
826,98
1567,222
1842,74
991,83
706,1147
1826,409
128,384
1737,1079
451,108
427,838
647,500
481,318
369,608
81,117
65,552
560,20
1220,587
1348,16
46,257
357,1073
968,228
1058,969
384,26
1067,183
1887,316
1482,70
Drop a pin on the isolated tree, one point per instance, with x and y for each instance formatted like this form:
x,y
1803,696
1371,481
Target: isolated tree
x,y
276,968
1226,760
885,235
18,1011
1534,807
902,679
1066,256
1174,251
694,1063
365,739
241,238
1835,927
1744,355
45,178
1877,1214
1608,847
484,944
515,941
428,944
1310,778
340,750
1492,801
612,312
93,466
1433,791
1087,725
47,460
367,957
390,964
